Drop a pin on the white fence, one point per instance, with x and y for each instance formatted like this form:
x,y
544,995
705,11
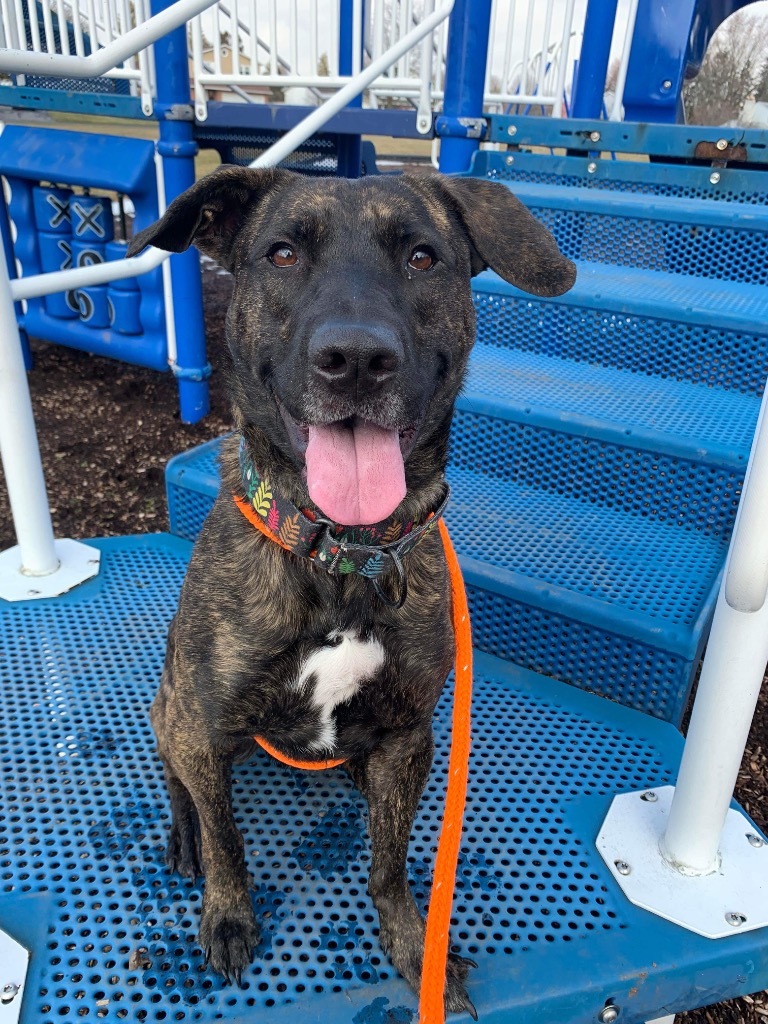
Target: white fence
x,y
248,48
81,28
255,51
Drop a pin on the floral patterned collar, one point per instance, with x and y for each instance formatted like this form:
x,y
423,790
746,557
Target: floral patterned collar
x,y
368,550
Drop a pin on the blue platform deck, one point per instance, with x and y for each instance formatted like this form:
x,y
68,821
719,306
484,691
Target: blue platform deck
x,y
85,819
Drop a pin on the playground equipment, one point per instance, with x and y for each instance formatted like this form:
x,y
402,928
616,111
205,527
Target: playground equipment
x,y
602,442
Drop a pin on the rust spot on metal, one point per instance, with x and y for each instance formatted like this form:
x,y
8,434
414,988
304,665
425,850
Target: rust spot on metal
x,y
709,151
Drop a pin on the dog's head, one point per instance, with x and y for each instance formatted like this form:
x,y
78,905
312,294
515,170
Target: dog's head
x,y
352,318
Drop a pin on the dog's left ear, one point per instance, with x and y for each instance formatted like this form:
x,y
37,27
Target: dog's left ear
x,y
506,237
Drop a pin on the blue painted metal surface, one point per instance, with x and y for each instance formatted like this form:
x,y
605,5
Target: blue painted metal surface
x,y
589,80
662,140
177,150
349,146
86,818
281,117
466,57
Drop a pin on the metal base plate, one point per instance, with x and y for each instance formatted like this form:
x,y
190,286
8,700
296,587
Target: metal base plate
x,y
14,960
732,899
77,563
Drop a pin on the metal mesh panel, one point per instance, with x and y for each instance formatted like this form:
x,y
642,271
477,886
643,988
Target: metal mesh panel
x,y
626,562
644,185
85,817
736,360
621,479
690,415
632,673
317,156
697,250
187,510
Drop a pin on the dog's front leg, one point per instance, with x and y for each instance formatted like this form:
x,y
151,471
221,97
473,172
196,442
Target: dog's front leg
x,y
228,928
395,775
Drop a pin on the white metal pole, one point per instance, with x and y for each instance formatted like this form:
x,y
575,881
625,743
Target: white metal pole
x,y
730,681
302,131
19,450
617,111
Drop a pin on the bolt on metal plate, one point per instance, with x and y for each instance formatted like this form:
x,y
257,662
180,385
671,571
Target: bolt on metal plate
x,y
512,130
735,919
609,1014
754,840
649,796
622,867
714,177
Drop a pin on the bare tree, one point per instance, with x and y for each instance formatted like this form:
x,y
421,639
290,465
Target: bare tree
x,y
734,69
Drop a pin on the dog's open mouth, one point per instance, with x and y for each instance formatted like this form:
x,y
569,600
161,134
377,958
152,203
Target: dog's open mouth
x,y
355,469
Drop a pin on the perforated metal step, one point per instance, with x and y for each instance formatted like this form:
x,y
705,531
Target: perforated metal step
x,y
616,404
86,815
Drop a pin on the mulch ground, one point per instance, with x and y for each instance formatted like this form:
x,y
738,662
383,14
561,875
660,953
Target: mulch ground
x,y
106,432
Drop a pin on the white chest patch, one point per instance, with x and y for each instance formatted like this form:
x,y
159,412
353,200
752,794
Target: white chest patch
x,y
338,672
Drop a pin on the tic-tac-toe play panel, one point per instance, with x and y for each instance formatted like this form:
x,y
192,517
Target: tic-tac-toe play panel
x,y
85,817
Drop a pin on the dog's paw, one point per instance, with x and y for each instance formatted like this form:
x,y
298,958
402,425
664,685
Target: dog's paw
x,y
228,936
456,998
184,852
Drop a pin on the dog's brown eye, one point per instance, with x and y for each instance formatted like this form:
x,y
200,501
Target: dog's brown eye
x,y
283,256
421,259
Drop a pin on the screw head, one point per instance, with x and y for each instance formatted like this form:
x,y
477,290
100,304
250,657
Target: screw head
x,y
754,840
735,919
591,166
649,796
721,144
594,136
9,993
32,593
609,1014
510,160
714,177
666,85
512,130
622,867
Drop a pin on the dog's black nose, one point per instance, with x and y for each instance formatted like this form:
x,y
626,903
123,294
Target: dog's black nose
x,y
349,356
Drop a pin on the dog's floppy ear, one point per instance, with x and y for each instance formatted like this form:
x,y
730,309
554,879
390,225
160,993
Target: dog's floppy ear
x,y
506,237
210,213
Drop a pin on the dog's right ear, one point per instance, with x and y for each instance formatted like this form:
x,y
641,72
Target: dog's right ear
x,y
211,212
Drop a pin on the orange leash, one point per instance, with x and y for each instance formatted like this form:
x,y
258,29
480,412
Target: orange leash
x,y
431,1002
432,999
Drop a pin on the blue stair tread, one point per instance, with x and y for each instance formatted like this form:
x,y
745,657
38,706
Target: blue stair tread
x,y
534,901
707,302
656,577
683,416
647,206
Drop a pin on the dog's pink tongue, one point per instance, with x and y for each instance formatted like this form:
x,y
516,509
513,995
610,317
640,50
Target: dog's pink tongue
x,y
355,475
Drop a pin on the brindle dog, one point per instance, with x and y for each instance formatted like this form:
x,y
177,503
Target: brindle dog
x,y
348,332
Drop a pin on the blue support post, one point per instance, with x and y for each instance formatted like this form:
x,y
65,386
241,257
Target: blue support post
x,y
349,147
589,83
467,54
177,149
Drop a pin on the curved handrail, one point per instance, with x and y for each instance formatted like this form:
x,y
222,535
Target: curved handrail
x,y
19,62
